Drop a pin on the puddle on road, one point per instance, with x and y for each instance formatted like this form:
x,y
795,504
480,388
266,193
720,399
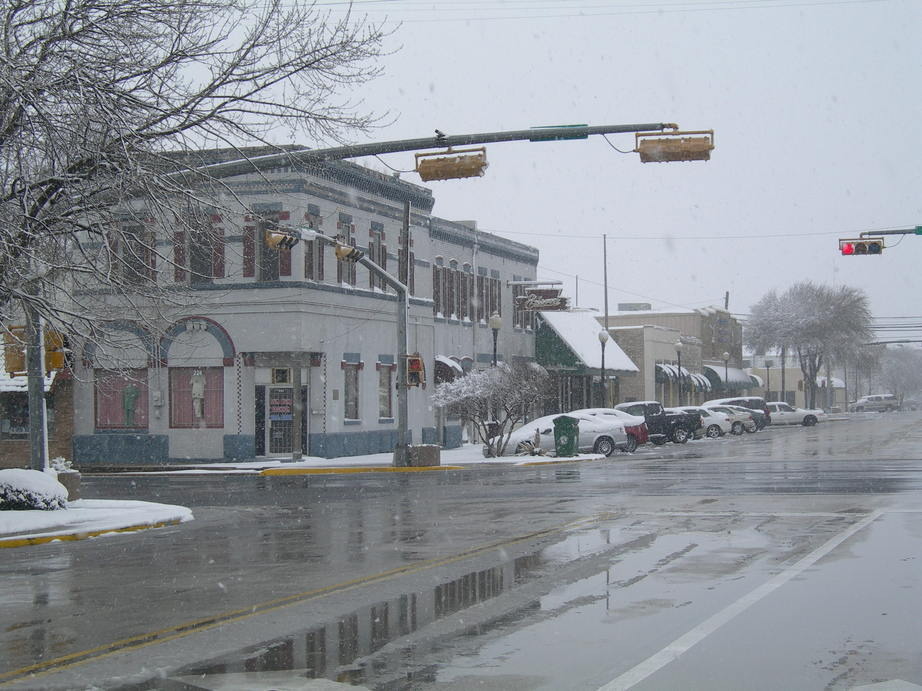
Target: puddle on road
x,y
439,637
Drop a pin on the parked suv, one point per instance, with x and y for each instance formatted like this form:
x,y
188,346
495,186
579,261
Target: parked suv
x,y
751,402
884,402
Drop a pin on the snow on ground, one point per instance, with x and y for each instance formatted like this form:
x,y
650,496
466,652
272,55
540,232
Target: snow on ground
x,y
85,518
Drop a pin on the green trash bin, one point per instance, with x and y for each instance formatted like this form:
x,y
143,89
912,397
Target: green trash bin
x,y
566,435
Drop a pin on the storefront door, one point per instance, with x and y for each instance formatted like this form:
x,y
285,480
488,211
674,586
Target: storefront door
x,y
280,408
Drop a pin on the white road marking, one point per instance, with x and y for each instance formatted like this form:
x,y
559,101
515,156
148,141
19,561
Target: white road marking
x,y
682,644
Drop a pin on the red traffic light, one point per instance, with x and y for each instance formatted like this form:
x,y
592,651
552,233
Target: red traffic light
x,y
861,246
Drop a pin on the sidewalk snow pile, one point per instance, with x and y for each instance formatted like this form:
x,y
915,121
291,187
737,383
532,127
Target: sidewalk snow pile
x,y
24,490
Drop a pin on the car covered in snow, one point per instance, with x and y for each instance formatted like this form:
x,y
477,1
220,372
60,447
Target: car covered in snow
x,y
786,414
713,424
751,402
597,434
634,425
740,418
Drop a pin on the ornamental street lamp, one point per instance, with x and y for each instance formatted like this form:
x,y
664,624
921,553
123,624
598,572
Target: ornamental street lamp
x,y
496,323
678,351
603,339
726,357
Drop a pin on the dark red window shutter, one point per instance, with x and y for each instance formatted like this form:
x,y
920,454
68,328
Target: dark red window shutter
x,y
179,256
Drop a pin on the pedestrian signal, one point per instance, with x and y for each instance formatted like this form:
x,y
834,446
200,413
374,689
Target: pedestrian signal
x,y
416,371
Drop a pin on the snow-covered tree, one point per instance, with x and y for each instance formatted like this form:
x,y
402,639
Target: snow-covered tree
x,y
104,102
495,399
821,324
901,371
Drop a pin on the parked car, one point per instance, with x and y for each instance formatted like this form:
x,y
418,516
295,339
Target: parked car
x,y
713,423
751,402
599,434
740,418
662,426
785,414
883,403
634,425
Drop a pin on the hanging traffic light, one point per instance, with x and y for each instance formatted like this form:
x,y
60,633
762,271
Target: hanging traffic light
x,y
276,239
674,146
861,246
345,253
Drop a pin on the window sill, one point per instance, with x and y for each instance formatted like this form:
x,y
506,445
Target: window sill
x,y
348,422
385,421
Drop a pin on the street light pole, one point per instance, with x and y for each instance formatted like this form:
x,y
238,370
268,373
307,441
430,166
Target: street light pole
x,y
678,350
726,357
496,323
603,339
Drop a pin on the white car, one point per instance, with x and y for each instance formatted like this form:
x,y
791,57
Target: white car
x,y
785,414
713,423
599,434
739,420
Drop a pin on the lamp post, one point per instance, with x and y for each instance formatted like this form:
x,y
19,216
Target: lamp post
x,y
726,357
678,352
496,323
603,339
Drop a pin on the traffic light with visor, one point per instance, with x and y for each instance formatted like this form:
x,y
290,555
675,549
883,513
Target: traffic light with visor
x,y
861,246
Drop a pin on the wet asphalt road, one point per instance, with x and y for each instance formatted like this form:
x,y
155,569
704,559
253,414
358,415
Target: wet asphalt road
x,y
785,559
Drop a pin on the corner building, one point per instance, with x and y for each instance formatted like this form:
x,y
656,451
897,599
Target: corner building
x,y
213,379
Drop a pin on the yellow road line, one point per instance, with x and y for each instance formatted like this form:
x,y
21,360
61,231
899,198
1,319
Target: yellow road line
x,y
181,630
82,535
355,469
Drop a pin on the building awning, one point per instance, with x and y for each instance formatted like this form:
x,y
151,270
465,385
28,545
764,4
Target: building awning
x,y
735,379
445,360
580,333
446,369
756,379
666,371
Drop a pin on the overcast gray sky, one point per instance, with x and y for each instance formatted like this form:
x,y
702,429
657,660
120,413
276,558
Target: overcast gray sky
x,y
815,106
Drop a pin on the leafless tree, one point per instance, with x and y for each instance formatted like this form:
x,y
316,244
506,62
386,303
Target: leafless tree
x,y
103,102
819,323
495,399
901,371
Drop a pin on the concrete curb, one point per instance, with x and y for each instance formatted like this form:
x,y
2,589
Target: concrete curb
x,y
356,469
6,542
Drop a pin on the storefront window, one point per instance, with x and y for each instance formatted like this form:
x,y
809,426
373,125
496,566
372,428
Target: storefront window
x,y
196,397
121,399
14,416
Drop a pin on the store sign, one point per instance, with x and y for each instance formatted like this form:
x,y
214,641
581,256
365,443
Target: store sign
x,y
543,300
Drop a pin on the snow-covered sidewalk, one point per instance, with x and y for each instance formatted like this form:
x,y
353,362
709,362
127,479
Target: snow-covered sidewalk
x,y
86,518
451,459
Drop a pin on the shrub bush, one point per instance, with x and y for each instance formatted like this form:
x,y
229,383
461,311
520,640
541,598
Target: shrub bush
x,y
24,490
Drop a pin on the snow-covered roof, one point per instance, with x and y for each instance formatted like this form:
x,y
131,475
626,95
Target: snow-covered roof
x,y
580,331
445,360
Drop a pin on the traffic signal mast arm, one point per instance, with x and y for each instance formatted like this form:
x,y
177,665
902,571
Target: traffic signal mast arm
x,y
440,141
876,233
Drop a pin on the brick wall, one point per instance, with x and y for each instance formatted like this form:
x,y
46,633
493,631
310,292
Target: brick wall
x,y
15,453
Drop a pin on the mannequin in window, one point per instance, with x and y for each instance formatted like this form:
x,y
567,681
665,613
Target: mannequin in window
x,y
129,401
197,381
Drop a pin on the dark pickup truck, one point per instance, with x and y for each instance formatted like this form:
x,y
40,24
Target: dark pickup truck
x,y
664,426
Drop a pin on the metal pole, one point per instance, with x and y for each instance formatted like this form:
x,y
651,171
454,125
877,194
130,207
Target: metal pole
x,y
35,366
604,392
495,334
403,304
679,354
305,156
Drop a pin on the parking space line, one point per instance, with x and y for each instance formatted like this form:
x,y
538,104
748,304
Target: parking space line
x,y
681,645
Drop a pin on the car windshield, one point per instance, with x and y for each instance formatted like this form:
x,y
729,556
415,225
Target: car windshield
x,y
316,316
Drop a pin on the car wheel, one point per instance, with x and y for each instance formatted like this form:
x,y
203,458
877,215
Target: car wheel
x,y
680,435
713,431
604,446
659,440
751,427
809,421
736,428
631,444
